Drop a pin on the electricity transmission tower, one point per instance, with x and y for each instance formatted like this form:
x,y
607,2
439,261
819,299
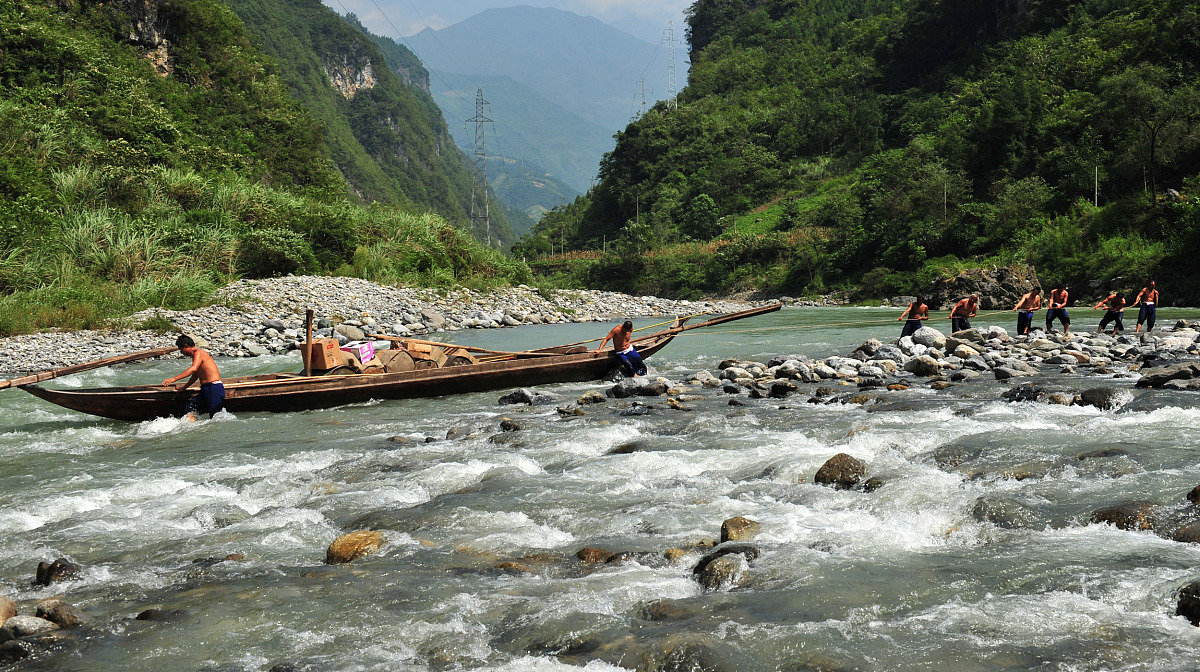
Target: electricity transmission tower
x,y
641,91
479,178
672,92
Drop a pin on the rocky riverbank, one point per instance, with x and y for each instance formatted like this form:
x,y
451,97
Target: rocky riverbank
x,y
256,317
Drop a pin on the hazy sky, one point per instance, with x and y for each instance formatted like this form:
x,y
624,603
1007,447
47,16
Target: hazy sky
x,y
646,19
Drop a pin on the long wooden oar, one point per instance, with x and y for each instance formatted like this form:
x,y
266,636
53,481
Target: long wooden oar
x,y
87,366
713,322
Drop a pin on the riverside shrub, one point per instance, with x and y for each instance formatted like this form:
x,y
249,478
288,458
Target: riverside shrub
x,y
274,252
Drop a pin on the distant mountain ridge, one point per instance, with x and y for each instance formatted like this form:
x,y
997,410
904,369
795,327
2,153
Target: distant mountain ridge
x,y
580,63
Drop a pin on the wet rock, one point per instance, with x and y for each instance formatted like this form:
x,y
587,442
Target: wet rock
x,y
699,657
18,627
59,570
1025,392
652,388
593,556
460,432
1102,453
1188,604
15,650
1006,372
669,610
637,411
591,397
781,388
161,615
739,529
1004,512
725,572
841,471
897,387
352,546
623,390
571,410
527,396
1127,516
1194,495
1104,398
61,614
872,484
8,609
635,446
510,425
940,385
1158,376
1060,399
1188,534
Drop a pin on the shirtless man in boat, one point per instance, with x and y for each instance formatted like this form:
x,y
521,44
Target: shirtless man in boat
x,y
212,392
631,361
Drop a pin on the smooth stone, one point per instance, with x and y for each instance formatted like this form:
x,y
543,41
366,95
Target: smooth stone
x,y
352,546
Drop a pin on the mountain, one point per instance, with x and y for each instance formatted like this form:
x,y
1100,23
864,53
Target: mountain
x,y
383,130
580,63
881,144
528,127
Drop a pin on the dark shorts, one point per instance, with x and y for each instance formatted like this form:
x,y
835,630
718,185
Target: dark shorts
x,y
632,363
209,400
1060,313
1110,316
1024,321
959,324
1148,313
910,326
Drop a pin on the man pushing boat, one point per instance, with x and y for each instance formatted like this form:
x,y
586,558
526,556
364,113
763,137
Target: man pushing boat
x,y
631,361
212,392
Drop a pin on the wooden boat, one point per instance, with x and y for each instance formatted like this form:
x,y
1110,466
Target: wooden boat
x,y
284,392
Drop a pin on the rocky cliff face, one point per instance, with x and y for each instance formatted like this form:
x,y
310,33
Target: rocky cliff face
x,y
348,73
146,23
998,287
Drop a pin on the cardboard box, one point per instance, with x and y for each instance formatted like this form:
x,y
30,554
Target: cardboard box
x,y
364,350
325,353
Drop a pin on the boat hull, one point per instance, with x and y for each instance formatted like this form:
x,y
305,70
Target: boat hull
x,y
278,395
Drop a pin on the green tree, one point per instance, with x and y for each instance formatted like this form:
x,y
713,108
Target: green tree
x,y
702,219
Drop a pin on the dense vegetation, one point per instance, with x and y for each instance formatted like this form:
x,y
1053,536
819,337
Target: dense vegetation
x,y
151,152
876,144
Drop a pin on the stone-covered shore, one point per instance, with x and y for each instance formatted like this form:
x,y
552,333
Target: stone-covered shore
x,y
256,317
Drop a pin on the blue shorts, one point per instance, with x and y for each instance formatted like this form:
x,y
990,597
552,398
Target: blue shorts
x,y
910,327
1148,313
1060,313
1024,321
959,324
632,363
209,400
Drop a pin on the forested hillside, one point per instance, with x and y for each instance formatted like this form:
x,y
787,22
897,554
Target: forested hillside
x,y
384,131
151,152
877,144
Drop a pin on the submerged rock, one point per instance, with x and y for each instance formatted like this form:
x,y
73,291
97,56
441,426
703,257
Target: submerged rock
x,y
1127,516
59,570
1104,398
1188,604
1004,512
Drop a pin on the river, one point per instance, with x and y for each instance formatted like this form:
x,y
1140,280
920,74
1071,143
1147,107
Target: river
x,y
479,572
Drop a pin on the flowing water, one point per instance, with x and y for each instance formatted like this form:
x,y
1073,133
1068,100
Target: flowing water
x,y
478,570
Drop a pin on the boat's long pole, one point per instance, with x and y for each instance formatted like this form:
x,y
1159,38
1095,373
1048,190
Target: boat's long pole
x,y
307,351
87,366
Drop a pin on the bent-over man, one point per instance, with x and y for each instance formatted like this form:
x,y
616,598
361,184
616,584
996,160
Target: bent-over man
x,y
916,312
212,392
631,361
1115,305
1058,309
1148,313
1024,309
962,311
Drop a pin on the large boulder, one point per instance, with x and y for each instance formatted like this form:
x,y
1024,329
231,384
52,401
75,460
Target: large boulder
x,y
1188,605
24,626
352,546
1104,398
725,566
924,365
841,471
929,337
